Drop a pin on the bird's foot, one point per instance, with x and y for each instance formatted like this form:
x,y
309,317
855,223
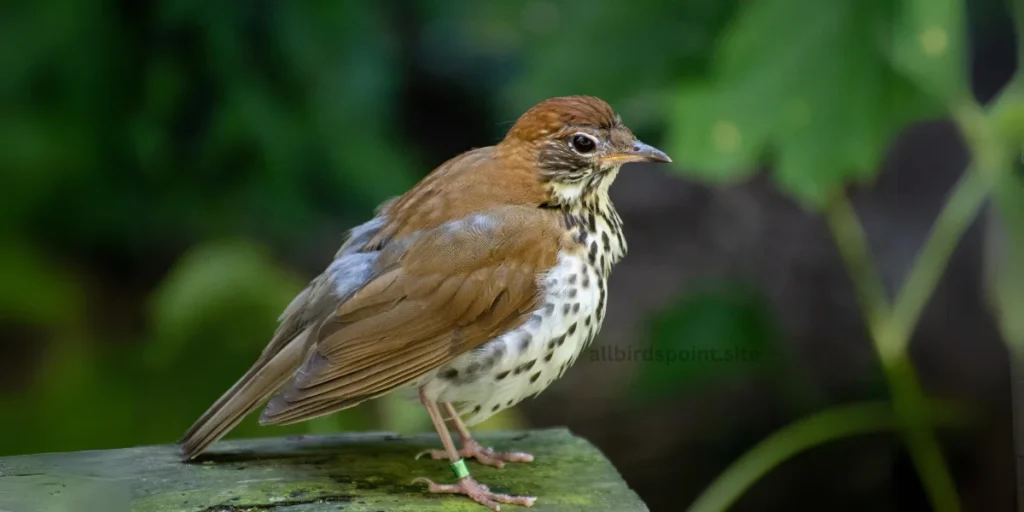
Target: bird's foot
x,y
482,454
477,492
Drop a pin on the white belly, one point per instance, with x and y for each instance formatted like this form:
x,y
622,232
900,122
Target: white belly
x,y
525,361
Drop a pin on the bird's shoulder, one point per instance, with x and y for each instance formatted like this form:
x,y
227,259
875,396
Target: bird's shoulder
x,y
479,180
494,251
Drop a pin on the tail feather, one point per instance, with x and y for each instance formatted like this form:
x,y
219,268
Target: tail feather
x,y
252,390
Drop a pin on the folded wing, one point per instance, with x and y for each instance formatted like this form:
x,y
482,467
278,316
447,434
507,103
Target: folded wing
x,y
437,294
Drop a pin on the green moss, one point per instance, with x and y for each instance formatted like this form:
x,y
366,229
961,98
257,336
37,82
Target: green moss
x,y
355,472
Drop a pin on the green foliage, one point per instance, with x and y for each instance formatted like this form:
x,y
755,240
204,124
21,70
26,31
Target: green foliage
x,y
227,291
1006,259
642,48
928,45
194,120
132,135
824,98
37,291
551,50
819,95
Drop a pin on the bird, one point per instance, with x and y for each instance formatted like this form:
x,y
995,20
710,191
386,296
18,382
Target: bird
x,y
476,288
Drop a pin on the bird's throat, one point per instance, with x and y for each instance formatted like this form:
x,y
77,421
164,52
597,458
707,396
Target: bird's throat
x,y
594,222
591,189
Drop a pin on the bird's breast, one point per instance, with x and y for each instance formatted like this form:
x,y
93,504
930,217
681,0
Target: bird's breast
x,y
526,360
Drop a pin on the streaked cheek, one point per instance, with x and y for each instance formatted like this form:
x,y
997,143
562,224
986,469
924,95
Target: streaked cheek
x,y
558,162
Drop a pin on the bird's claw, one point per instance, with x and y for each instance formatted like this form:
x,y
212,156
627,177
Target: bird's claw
x,y
482,454
477,492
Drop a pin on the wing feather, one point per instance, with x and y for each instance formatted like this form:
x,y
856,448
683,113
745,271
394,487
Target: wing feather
x,y
452,289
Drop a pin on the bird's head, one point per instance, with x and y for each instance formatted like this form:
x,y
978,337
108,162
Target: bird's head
x,y
577,144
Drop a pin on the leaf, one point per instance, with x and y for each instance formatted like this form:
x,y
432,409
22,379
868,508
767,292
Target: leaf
x,y
623,55
705,335
928,45
227,293
817,95
719,134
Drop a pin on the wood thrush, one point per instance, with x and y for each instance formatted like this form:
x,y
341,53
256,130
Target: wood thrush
x,y
478,287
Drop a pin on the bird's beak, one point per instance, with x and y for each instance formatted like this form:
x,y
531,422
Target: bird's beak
x,y
640,152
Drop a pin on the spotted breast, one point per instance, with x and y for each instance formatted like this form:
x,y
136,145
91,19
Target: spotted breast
x,y
526,360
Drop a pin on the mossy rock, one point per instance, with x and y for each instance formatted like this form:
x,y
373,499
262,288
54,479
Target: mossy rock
x,y
368,472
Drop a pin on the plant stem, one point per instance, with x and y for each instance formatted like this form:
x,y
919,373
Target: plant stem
x,y
829,425
908,399
852,243
890,334
925,451
826,426
960,211
890,329
1006,261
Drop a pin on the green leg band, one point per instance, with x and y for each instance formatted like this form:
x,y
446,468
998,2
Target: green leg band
x,y
460,469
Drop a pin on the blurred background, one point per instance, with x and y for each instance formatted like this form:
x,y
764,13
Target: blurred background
x,y
172,173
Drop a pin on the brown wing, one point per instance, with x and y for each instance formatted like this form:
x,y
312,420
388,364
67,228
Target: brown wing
x,y
440,293
284,354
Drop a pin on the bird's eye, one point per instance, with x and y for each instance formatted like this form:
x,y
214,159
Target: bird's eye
x,y
583,143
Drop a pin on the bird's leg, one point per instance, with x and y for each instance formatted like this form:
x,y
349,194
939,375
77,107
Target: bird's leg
x,y
471,448
483,454
464,484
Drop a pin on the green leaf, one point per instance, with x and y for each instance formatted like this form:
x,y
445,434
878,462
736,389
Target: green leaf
x,y
720,132
928,45
705,335
623,55
225,292
817,95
